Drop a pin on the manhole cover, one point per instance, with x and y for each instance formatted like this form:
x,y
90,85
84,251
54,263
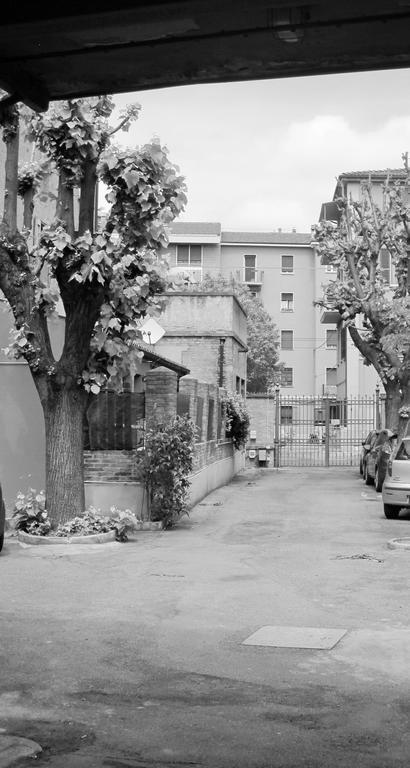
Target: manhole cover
x,y
319,638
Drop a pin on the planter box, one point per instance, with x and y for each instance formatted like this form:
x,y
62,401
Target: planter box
x,y
93,538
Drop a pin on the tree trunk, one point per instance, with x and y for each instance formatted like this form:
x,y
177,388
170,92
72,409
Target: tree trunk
x,y
392,405
64,413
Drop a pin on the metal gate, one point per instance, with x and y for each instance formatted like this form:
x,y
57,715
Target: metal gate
x,y
323,431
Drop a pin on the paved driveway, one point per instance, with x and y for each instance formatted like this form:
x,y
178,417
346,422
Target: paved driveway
x,y
131,654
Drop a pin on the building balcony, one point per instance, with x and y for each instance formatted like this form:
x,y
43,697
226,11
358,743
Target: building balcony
x,y
250,276
330,316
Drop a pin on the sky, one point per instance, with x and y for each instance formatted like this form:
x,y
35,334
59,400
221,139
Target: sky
x,y
263,155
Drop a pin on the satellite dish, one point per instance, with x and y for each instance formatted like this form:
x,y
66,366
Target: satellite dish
x,y
151,331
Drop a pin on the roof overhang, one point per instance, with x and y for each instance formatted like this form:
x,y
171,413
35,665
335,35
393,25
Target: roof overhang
x,y
75,49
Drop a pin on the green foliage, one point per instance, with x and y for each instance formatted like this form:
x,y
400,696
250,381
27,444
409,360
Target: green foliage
x,y
119,268
30,514
262,333
236,419
165,464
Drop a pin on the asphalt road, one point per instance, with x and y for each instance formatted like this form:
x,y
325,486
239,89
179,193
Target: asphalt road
x,y
131,654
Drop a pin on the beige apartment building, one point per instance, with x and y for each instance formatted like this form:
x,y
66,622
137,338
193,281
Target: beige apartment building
x,y
280,268
353,377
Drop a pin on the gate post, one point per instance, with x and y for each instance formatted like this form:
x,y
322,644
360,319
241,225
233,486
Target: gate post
x,y
276,441
327,430
378,416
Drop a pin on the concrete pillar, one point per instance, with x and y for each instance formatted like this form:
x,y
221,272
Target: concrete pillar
x,y
160,395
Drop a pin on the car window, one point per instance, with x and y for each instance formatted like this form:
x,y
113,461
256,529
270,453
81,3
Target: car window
x,y
403,453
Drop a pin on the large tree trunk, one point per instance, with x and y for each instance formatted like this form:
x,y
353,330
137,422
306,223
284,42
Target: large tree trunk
x,y
64,414
397,397
392,404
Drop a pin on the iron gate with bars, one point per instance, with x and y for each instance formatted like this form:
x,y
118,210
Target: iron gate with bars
x,y
323,431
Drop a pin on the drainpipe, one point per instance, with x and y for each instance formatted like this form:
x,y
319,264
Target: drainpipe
x,y
221,361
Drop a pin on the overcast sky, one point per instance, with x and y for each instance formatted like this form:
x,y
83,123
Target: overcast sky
x,y
265,154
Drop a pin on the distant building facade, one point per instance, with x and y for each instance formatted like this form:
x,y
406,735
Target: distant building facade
x,y
282,270
353,376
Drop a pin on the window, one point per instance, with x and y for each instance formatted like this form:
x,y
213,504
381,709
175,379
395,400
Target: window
x,y
331,339
331,377
286,414
287,377
286,302
286,339
319,416
387,270
189,255
287,264
250,268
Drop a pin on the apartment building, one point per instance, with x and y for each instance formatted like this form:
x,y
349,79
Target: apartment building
x,y
353,376
282,270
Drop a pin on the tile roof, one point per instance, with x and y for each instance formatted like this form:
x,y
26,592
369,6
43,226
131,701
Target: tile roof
x,y
397,173
274,238
155,357
195,228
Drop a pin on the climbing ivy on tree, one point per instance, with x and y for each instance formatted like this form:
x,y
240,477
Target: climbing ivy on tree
x,y
106,280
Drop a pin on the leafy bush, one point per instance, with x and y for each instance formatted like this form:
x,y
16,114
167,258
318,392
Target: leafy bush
x,y
236,419
123,522
90,522
165,464
30,514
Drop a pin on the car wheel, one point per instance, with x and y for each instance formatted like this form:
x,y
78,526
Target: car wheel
x,y
1,541
391,511
378,481
367,478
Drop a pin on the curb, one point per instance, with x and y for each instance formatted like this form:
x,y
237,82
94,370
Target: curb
x,y
93,538
14,748
403,543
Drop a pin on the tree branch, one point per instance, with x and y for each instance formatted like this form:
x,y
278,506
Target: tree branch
x,y
65,203
87,199
366,349
11,138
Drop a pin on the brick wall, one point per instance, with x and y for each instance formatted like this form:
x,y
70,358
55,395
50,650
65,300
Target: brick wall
x,y
110,466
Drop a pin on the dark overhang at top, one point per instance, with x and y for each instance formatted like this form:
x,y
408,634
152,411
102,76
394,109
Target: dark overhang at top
x,y
83,48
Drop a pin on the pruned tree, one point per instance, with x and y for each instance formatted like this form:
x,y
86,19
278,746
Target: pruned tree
x,y
107,280
263,368
370,247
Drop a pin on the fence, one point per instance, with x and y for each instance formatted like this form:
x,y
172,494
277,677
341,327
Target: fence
x,y
115,421
317,431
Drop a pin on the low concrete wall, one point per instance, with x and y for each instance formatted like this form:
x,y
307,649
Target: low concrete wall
x,y
131,495
214,475
105,494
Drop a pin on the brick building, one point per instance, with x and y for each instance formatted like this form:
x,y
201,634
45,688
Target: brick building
x,y
206,332
282,269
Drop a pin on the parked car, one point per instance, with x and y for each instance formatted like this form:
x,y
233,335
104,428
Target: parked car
x,y
2,519
396,487
377,457
367,444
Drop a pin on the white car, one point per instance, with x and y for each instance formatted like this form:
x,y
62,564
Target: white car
x,y
396,487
